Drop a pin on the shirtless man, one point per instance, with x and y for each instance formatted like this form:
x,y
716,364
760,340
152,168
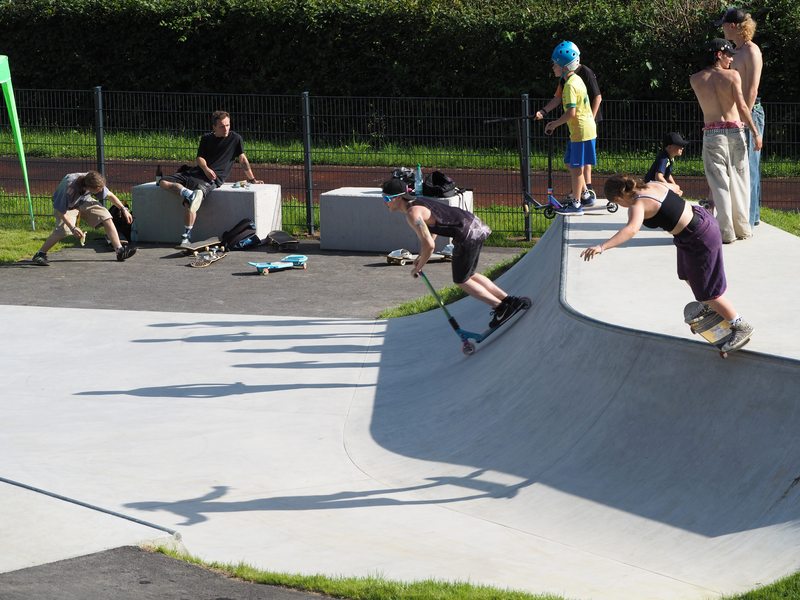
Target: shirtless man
x,y
719,90
739,27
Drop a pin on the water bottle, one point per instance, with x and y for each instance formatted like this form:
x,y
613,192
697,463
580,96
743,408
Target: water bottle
x,y
418,181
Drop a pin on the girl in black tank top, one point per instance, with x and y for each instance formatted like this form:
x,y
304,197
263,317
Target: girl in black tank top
x,y
696,236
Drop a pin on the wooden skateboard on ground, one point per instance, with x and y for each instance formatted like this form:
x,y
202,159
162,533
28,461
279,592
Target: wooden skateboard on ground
x,y
403,257
281,239
293,261
713,328
195,248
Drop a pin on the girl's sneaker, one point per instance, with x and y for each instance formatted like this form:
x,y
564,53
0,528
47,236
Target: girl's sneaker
x,y
740,333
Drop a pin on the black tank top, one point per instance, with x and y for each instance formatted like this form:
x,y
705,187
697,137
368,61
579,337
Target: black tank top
x,y
450,221
668,214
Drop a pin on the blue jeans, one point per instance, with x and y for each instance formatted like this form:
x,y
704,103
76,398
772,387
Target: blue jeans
x,y
755,163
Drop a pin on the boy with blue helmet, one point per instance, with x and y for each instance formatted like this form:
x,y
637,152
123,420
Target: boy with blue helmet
x,y
578,117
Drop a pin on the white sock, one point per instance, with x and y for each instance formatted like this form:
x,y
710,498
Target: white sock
x,y
186,193
735,320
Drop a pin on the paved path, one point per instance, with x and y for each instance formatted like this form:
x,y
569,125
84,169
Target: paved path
x,y
593,449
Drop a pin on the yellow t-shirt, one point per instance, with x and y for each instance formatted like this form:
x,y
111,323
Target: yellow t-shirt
x,y
582,127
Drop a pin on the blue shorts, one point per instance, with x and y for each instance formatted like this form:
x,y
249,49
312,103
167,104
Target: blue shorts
x,y
580,154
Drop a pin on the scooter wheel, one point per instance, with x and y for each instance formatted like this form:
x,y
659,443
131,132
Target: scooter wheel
x,y
468,348
612,207
549,213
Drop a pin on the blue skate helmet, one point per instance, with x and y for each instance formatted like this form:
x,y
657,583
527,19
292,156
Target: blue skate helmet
x,y
567,56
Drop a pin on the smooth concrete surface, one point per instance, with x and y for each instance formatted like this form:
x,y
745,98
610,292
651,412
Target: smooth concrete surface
x,y
160,214
567,455
356,219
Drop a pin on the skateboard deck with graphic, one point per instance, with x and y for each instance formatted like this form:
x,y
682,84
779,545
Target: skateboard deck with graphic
x,y
714,328
205,259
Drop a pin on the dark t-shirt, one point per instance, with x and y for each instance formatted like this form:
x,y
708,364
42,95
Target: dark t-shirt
x,y
662,164
220,152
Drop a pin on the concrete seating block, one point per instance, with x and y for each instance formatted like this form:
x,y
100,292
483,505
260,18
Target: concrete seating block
x,y
353,218
159,214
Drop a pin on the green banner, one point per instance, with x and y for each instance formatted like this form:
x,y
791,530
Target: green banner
x,y
8,92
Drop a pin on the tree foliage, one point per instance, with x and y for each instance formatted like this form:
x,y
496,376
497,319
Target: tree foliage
x,y
446,48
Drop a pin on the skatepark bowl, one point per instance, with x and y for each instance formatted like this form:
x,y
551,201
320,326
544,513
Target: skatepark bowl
x,y
593,448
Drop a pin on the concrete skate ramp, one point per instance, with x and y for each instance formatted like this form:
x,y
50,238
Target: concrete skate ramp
x,y
645,457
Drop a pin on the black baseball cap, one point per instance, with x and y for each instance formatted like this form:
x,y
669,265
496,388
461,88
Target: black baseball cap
x,y
732,15
720,45
674,138
394,187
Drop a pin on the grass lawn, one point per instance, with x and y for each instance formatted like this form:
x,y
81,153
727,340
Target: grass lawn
x,y
380,588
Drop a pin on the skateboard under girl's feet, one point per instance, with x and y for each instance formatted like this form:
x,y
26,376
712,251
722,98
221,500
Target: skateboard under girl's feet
x,y
713,328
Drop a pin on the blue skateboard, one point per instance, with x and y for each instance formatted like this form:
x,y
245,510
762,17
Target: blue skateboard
x,y
467,347
293,261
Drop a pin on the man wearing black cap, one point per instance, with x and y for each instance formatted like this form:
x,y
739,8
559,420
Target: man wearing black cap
x,y
719,90
740,28
661,170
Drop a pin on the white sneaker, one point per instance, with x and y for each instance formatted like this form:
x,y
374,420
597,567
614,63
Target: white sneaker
x,y
195,200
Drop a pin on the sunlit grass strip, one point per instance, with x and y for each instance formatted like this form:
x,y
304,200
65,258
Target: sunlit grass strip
x,y
372,587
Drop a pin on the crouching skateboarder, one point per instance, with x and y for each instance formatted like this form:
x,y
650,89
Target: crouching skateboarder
x,y
428,219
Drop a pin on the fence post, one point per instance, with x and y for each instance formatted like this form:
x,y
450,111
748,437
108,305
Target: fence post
x,y
98,129
525,162
304,102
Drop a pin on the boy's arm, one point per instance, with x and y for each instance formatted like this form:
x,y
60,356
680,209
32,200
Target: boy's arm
x,y
568,114
542,112
660,177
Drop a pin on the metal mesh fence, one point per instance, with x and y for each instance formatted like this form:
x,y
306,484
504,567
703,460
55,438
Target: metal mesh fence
x,y
356,142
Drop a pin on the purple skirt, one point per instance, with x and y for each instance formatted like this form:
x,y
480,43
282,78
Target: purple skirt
x,y
700,257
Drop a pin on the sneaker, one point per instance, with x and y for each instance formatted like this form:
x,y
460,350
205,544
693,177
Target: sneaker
x,y
587,198
516,302
195,200
186,241
740,333
40,258
125,252
701,312
501,313
570,208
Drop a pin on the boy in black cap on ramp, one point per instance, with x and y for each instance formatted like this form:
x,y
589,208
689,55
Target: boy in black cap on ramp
x,y
429,218
661,170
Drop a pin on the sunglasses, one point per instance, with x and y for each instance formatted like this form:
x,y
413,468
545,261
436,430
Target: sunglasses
x,y
388,199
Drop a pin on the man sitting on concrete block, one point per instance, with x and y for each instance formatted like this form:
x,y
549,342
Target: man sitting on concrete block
x,y
215,157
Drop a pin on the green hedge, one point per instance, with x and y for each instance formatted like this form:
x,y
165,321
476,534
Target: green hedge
x,y
444,48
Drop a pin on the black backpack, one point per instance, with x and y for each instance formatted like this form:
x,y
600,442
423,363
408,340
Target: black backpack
x,y
241,236
121,223
438,185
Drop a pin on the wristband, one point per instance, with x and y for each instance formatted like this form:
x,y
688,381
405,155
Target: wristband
x,y
543,111
73,228
601,248
253,180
